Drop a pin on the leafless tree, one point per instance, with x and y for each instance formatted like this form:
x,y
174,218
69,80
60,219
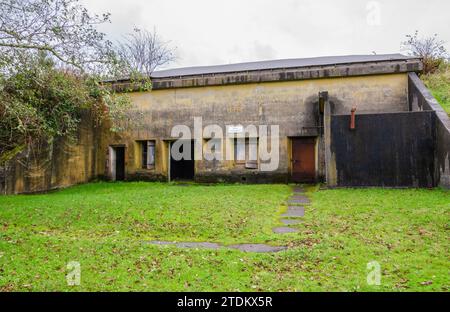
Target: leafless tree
x,y
63,29
431,49
143,51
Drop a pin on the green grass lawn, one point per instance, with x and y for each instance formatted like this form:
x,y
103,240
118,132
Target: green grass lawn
x,y
105,227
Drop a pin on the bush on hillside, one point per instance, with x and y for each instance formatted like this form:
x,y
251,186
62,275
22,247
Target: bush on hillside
x,y
439,84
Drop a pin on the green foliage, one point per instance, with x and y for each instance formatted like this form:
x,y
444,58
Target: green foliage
x,y
40,102
109,105
439,85
10,154
51,71
106,227
430,49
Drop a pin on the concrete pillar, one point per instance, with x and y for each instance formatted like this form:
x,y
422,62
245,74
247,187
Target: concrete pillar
x,y
330,167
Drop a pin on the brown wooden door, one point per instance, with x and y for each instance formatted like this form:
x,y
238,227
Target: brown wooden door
x,y
303,159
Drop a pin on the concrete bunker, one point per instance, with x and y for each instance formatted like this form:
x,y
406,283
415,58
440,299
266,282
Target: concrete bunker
x,y
311,101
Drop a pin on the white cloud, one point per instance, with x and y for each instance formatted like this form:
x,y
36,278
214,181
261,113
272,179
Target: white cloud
x,y
211,32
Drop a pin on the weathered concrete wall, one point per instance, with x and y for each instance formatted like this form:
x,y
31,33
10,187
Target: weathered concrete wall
x,y
56,165
289,104
276,74
421,99
390,149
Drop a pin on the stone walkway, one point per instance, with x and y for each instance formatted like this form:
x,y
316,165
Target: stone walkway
x,y
208,245
295,211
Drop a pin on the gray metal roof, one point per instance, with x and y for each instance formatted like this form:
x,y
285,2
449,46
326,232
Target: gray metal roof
x,y
279,64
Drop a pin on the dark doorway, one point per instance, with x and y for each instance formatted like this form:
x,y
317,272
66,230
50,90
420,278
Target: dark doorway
x,y
182,169
120,163
303,159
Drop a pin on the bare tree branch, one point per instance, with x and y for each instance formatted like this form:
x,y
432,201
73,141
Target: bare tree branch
x,y
143,51
63,28
40,48
430,49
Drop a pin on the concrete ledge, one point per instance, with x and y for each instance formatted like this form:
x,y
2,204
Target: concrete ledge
x,y
425,100
252,177
291,74
145,176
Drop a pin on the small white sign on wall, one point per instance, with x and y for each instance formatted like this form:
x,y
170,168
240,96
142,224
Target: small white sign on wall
x,y
235,129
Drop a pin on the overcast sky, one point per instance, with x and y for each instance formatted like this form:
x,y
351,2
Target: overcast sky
x,y
207,32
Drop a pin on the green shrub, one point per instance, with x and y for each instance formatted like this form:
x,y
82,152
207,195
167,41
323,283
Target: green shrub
x,y
40,102
439,85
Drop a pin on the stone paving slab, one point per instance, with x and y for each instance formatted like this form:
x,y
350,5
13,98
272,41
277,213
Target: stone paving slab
x,y
257,248
209,245
294,211
298,190
299,196
284,229
206,245
291,221
161,243
298,199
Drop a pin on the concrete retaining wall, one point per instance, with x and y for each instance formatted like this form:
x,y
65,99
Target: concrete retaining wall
x,y
419,99
59,164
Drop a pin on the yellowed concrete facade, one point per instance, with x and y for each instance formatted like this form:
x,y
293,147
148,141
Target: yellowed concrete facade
x,y
242,94
59,164
289,104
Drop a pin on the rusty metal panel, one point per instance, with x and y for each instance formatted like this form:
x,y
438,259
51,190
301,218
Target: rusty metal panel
x,y
387,149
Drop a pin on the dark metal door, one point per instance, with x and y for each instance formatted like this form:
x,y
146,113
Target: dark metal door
x,y
183,169
120,163
303,159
